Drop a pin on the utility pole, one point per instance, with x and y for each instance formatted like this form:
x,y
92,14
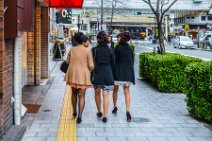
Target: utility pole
x,y
101,13
78,23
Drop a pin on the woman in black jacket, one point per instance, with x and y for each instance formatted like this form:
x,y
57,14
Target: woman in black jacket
x,y
103,73
124,71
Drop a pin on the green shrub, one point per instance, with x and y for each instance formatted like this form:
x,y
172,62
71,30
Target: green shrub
x,y
132,46
199,90
166,72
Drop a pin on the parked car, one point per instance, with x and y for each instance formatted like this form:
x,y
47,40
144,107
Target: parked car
x,y
183,42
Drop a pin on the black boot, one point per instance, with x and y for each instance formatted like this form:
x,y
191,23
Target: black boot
x,y
128,117
115,110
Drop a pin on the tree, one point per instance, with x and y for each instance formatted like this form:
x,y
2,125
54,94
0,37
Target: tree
x,y
114,3
160,8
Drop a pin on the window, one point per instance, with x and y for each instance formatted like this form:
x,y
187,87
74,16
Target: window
x,y
209,18
192,18
203,18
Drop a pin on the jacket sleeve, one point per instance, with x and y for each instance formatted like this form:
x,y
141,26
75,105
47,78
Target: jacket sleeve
x,y
133,57
90,61
116,53
68,57
113,62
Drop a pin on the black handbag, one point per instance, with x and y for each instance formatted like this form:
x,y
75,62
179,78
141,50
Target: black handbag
x,y
64,67
93,74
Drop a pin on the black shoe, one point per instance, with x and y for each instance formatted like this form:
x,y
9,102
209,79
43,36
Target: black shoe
x,y
115,110
79,120
74,114
128,117
99,115
104,119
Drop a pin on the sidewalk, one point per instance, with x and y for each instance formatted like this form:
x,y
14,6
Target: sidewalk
x,y
156,117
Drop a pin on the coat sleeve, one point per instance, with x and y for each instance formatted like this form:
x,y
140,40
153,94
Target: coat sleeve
x,y
116,53
90,61
113,62
68,57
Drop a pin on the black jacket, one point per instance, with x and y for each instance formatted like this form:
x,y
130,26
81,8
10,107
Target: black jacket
x,y
104,61
124,68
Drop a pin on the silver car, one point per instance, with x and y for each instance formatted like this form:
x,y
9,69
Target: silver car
x,y
183,42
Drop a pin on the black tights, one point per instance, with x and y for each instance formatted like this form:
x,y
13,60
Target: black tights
x,y
81,97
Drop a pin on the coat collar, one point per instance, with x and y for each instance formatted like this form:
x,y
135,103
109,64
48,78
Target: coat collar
x,y
103,45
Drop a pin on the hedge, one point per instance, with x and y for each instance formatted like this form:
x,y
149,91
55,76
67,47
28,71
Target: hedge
x,y
166,72
199,90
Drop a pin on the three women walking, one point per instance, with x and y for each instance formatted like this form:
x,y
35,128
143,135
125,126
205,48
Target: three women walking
x,y
110,68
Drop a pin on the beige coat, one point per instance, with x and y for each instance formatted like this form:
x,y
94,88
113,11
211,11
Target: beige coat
x,y
80,65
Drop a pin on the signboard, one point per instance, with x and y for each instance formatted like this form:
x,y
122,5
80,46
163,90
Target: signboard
x,y
64,16
66,3
187,27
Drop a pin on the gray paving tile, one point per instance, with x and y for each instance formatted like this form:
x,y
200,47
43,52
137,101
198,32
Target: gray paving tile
x,y
178,139
81,139
35,139
105,134
157,139
117,139
97,139
199,138
137,139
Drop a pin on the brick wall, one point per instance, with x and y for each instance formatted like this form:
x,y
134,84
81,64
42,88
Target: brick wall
x,y
6,83
1,63
44,42
6,76
31,52
30,58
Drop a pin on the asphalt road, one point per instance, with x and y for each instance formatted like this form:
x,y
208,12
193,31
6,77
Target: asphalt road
x,y
146,46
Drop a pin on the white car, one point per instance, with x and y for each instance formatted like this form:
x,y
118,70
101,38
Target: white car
x,y
183,42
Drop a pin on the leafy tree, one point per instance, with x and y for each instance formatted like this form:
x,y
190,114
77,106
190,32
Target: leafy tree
x,y
160,8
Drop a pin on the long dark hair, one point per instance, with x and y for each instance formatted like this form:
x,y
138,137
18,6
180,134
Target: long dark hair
x,y
102,37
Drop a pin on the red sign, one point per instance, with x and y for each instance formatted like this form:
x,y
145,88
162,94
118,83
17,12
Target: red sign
x,y
66,3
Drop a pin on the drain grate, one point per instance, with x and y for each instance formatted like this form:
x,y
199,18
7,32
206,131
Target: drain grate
x,y
140,120
47,110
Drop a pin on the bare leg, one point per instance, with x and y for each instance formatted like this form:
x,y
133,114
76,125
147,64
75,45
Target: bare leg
x,y
81,105
74,99
105,102
127,97
115,95
98,99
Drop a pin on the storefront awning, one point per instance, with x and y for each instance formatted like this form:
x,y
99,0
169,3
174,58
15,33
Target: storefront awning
x,y
66,3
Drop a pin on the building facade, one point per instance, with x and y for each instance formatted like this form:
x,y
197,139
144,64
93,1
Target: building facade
x,y
24,28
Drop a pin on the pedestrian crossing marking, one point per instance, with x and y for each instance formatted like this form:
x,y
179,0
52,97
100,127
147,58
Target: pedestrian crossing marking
x,y
67,124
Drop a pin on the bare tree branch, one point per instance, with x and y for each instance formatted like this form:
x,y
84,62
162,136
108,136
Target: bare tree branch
x,y
167,9
163,3
151,6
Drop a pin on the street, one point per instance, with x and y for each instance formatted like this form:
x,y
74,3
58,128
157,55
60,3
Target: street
x,y
146,46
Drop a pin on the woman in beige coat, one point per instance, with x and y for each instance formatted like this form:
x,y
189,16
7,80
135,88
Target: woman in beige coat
x,y
78,75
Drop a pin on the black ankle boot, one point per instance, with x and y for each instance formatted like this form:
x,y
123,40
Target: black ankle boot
x,y
104,119
115,110
128,117
74,114
99,115
79,120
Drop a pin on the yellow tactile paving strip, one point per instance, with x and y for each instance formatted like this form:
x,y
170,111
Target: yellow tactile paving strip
x,y
67,124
